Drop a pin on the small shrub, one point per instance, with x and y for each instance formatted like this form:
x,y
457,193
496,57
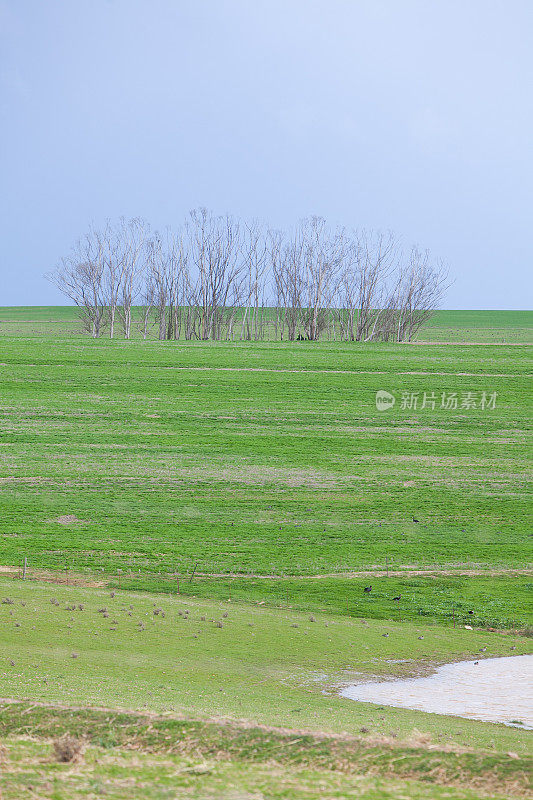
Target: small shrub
x,y
68,749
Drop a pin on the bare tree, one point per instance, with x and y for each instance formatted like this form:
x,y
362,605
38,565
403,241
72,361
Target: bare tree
x,y
325,252
216,282
420,288
113,275
215,278
80,277
254,250
287,258
128,251
375,257
147,302
167,278
158,280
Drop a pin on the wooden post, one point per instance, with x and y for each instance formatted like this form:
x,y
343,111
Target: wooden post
x,y
178,583
453,614
24,569
387,565
192,574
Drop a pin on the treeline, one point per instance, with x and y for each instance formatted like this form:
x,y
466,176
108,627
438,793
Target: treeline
x,y
218,278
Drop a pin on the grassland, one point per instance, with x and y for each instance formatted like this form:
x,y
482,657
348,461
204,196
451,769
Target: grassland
x,y
191,660
159,758
495,327
263,479
268,459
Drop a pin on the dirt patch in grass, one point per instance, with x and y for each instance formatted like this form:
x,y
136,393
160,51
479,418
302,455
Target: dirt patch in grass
x,y
53,576
257,476
70,519
32,481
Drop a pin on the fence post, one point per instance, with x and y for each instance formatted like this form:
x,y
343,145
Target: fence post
x,y
24,569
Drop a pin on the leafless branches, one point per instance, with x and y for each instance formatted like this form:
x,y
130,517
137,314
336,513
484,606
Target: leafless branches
x,y
218,278
80,277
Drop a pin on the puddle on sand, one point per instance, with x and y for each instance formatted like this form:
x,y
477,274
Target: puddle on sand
x,y
493,690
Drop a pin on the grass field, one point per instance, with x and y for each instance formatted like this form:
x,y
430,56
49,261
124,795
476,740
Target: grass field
x,y
496,327
263,479
95,648
160,758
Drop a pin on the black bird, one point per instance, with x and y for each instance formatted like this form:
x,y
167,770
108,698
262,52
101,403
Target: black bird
x,y
415,520
367,589
470,612
397,598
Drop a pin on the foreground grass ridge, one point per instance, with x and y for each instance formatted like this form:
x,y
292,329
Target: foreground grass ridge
x,y
417,760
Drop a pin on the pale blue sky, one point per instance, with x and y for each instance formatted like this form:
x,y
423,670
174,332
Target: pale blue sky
x,y
414,115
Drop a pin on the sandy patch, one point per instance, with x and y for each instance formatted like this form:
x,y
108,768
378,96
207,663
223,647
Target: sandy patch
x,y
70,519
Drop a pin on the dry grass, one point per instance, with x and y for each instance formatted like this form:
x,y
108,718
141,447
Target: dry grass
x,y
68,749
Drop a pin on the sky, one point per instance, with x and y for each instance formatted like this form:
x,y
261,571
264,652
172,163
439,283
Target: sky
x,y
402,115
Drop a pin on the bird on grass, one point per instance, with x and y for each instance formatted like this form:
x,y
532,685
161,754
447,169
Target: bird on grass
x,y
367,589
399,597
470,612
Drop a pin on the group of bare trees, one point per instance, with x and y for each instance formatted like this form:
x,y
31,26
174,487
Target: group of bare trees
x,y
219,278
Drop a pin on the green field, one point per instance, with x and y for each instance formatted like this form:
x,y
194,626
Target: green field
x,y
263,458
495,327
95,648
259,480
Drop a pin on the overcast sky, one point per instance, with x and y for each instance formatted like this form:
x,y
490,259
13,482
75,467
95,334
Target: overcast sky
x,y
410,115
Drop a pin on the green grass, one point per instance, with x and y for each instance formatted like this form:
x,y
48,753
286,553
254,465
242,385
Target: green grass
x,y
495,601
176,758
495,327
269,459
267,470
191,666
265,458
